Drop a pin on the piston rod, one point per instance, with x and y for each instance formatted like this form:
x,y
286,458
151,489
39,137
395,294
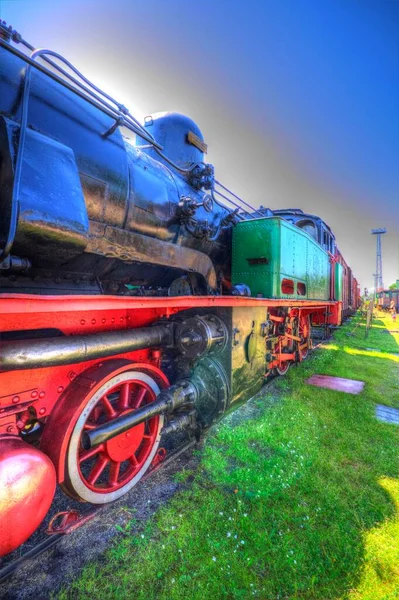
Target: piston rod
x,y
56,351
167,401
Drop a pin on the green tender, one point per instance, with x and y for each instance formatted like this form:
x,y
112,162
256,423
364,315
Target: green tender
x,y
276,259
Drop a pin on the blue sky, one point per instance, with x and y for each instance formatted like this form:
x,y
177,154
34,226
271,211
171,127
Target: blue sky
x,y
298,99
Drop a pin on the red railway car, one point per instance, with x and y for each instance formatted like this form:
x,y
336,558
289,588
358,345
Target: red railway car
x,y
351,290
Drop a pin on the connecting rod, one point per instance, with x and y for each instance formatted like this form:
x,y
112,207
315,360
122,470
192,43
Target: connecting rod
x,y
167,401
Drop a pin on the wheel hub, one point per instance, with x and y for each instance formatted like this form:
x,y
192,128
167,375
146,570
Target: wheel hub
x,y
124,445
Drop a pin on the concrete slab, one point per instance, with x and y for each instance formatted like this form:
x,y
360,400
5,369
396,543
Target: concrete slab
x,y
387,414
349,386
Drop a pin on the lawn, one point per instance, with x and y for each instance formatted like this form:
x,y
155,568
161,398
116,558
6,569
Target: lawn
x,y
297,499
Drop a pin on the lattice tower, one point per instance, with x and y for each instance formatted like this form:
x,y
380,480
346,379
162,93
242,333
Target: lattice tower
x,y
379,283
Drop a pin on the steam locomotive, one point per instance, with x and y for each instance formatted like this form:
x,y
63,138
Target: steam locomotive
x,y
139,296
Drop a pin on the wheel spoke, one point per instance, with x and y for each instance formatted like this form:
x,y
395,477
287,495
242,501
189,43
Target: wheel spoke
x,y
140,397
89,426
124,396
109,409
133,460
152,426
89,453
97,412
114,473
98,468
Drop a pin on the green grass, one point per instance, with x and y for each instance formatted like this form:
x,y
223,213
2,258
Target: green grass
x,y
300,502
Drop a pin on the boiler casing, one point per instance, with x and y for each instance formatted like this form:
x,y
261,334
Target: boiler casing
x,y
90,202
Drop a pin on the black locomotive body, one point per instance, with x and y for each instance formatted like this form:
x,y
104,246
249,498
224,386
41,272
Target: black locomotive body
x,y
94,211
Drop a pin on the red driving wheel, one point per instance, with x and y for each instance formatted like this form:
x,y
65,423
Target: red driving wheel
x,y
106,472
283,367
304,333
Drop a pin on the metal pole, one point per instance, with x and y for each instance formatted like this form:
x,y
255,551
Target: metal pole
x,y
379,284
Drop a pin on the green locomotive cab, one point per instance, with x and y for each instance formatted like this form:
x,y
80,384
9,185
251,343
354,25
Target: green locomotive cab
x,y
277,259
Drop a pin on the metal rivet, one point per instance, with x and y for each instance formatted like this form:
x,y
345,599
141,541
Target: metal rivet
x,y
42,394
15,399
93,321
42,411
103,320
82,322
34,394
60,389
